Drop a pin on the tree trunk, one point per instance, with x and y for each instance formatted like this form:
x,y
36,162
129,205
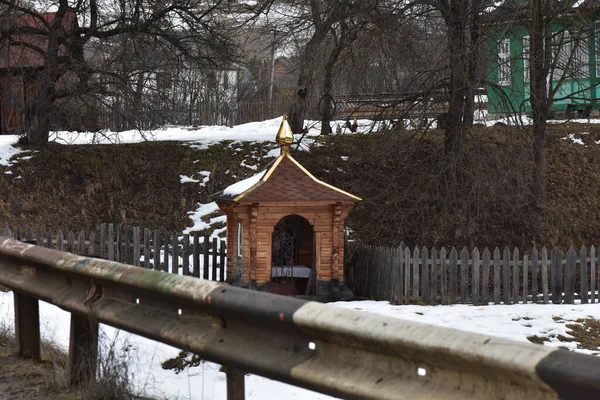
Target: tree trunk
x,y
540,53
49,76
459,84
299,103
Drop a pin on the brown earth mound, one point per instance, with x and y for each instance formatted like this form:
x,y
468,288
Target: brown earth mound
x,y
400,177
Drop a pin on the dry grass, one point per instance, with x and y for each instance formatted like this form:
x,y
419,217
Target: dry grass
x,y
47,379
584,332
398,175
79,187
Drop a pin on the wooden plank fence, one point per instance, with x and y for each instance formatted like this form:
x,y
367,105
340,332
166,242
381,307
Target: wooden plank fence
x,y
431,276
192,255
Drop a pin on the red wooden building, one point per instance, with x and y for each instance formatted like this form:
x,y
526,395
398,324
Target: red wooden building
x,y
285,229
22,59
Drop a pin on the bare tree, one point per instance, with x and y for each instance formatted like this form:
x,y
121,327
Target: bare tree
x,y
63,36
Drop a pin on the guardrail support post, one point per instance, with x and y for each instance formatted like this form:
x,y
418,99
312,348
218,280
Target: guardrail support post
x,y
83,350
27,326
235,384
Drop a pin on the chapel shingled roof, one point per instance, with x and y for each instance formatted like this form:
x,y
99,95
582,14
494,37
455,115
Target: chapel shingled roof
x,y
285,180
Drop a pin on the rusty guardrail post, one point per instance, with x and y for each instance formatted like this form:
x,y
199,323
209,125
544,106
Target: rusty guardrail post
x,y
27,326
235,384
83,350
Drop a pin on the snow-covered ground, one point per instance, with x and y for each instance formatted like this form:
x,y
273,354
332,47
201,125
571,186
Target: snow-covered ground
x,y
207,382
205,136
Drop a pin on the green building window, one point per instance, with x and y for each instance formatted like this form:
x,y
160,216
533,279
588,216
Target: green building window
x,y
504,62
526,47
581,68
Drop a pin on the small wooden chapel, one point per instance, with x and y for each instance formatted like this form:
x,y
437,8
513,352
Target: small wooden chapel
x,y
285,229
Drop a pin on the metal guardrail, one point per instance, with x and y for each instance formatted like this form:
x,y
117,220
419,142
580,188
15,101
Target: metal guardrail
x,y
328,349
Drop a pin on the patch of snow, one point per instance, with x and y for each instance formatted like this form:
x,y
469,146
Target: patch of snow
x,y
243,185
205,177
252,167
515,322
7,149
512,120
573,139
273,152
8,172
344,158
187,179
199,214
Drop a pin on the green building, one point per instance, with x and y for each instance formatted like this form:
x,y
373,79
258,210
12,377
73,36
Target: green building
x,y
575,71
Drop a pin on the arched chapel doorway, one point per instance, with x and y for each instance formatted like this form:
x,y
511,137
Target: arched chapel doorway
x,y
292,257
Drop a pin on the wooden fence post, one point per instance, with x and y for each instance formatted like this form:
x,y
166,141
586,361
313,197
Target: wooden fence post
x,y
534,275
515,276
570,276
506,262
464,276
496,276
175,255
415,287
196,256
166,243
102,239
443,278
215,266
111,242
525,277
186,254
485,280
70,242
434,277
81,243
91,244
136,246
583,290
59,241
128,245
119,245
424,275
40,239
406,275
592,274
146,248
157,244
475,277
205,247
222,261
453,272
545,275
556,276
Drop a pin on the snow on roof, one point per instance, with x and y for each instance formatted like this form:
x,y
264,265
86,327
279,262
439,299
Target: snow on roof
x,y
241,186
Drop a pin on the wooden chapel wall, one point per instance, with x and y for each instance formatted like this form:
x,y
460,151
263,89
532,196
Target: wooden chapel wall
x,y
320,216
